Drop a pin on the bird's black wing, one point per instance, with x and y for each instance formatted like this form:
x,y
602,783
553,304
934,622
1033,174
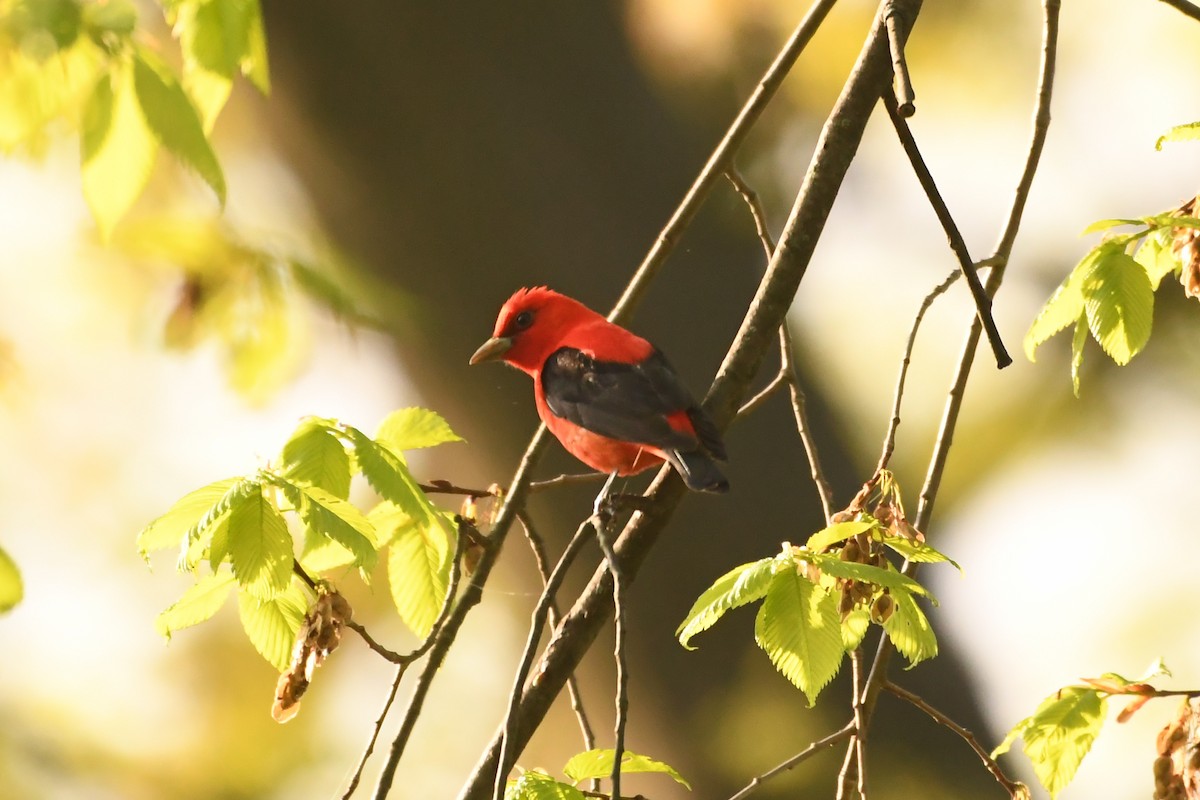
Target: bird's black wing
x,y
617,399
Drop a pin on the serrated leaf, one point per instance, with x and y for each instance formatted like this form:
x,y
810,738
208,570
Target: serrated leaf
x,y
340,521
1179,133
837,532
909,629
855,627
173,119
1063,307
12,589
271,625
1059,734
196,538
867,573
1119,303
419,574
412,428
913,550
599,764
1157,258
739,586
218,543
260,547
117,148
1105,224
315,455
1078,340
199,603
387,473
536,785
799,628
171,528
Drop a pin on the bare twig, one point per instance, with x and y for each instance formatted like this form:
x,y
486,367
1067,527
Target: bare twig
x,y
1014,788
370,748
800,415
821,744
775,385
512,722
983,302
538,546
622,699
563,480
1190,9
860,736
889,439
721,158
847,774
905,98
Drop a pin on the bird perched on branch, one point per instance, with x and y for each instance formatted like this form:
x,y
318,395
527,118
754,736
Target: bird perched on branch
x,y
608,395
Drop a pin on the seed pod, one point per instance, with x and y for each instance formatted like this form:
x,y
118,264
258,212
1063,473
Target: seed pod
x,y
850,551
846,604
841,516
1170,737
1163,766
882,608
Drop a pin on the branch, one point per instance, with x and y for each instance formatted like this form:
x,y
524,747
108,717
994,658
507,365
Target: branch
x,y
983,302
905,98
370,748
622,700
803,755
1190,9
834,152
720,159
1014,788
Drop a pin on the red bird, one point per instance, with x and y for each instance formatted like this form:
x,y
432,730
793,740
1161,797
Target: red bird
x,y
609,396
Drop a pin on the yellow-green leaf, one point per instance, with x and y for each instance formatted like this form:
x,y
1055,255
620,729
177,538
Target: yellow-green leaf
x,y
11,587
315,455
739,586
1119,302
170,529
1059,734
203,599
412,428
537,785
1078,340
837,532
1179,133
599,764
909,629
800,629
271,625
340,521
260,547
419,573
1063,307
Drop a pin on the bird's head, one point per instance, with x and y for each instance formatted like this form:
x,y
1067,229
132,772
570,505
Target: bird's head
x,y
532,324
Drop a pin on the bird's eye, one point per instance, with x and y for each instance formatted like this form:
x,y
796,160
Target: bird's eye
x,y
523,320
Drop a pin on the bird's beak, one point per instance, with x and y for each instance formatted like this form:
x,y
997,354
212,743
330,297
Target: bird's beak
x,y
491,350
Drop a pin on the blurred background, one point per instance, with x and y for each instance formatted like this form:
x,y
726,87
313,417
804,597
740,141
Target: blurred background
x,y
443,155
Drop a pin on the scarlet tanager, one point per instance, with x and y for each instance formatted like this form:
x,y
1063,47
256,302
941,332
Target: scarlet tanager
x,y
609,396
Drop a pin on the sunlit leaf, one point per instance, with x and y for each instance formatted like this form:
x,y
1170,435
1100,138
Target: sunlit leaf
x,y
260,547
739,586
909,629
271,625
1157,257
536,785
868,573
198,603
1063,307
315,455
1059,734
837,532
1105,224
1120,304
855,627
12,589
419,574
1078,340
1180,133
412,428
118,148
340,521
799,627
914,550
599,764
170,529
173,119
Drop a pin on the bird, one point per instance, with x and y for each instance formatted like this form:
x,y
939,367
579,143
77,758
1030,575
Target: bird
x,y
609,396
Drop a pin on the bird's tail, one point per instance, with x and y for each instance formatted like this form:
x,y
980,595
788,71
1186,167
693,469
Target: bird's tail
x,y
698,470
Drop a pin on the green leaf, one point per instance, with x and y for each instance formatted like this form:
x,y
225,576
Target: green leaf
x,y
196,539
536,785
1119,303
855,627
1059,734
218,543
914,550
254,61
340,521
799,627
419,574
867,573
118,148
1179,133
260,547
173,119
1078,340
386,471
198,603
909,629
1105,224
599,764
112,18
171,528
411,428
316,456
271,625
1156,257
1063,307
739,586
12,589
837,532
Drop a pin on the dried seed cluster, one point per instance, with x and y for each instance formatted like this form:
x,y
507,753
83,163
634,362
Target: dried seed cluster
x,y
1177,766
319,635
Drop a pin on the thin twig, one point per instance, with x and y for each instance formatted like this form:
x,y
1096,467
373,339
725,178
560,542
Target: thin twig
x,y
847,774
889,439
983,302
821,744
860,736
721,158
789,372
905,98
538,546
538,621
570,478
1190,9
622,699
1014,788
370,748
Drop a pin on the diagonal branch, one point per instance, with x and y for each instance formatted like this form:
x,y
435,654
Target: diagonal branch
x,y
1190,9
845,732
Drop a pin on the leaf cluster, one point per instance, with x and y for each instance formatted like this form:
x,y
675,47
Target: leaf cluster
x,y
235,533
589,765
